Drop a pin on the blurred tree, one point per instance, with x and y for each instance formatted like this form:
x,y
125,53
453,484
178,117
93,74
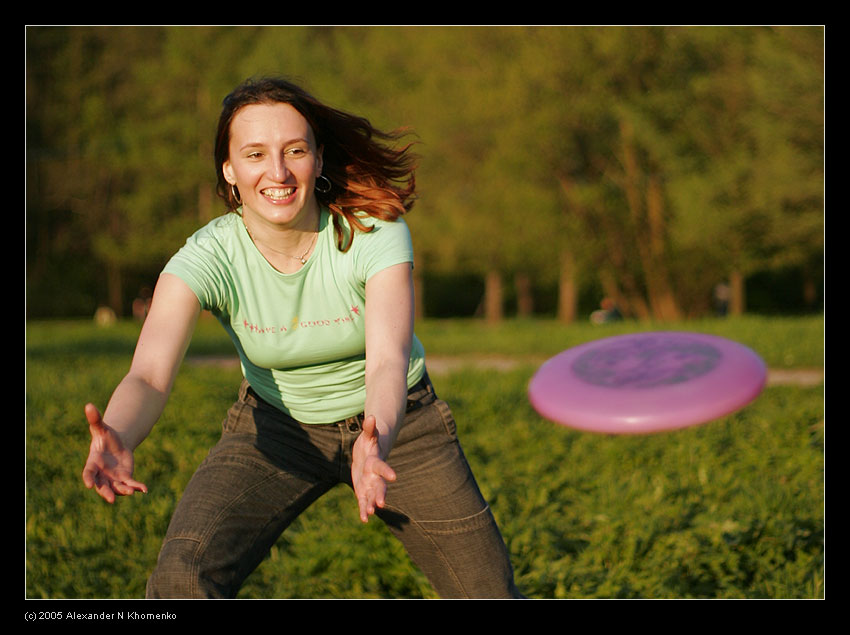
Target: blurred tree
x,y
657,161
483,212
746,152
613,173
170,149
788,128
81,96
677,173
123,120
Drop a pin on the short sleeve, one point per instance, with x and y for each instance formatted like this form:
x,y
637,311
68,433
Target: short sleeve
x,y
198,265
388,244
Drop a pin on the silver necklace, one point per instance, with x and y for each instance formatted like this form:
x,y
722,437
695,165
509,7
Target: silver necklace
x,y
302,258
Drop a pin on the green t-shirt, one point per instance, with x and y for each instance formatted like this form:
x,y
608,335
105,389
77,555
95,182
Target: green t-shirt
x,y
300,337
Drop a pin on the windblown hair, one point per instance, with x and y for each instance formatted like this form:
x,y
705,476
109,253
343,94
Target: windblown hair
x,y
367,174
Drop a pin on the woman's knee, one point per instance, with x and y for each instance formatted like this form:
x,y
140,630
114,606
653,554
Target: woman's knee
x,y
182,571
464,557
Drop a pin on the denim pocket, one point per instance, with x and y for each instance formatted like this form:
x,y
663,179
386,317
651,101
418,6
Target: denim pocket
x,y
447,418
239,419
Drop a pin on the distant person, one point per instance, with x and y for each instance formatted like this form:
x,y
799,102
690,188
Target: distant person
x,y
142,304
608,312
310,275
722,295
105,316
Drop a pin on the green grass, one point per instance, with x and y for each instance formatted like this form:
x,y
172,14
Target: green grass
x,y
730,509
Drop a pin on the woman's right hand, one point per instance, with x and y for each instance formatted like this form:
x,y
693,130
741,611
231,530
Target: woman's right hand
x,y
139,399
109,468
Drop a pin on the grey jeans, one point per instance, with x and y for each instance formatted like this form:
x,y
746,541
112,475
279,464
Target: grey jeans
x,y
267,468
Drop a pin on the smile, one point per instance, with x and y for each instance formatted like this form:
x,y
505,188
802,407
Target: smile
x,y
279,194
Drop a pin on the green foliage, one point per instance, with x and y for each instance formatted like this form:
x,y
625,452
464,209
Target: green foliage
x,y
730,509
533,141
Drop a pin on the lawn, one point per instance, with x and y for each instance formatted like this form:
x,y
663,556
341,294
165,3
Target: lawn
x,y
730,509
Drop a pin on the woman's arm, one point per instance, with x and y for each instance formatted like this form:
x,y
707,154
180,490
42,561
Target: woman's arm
x,y
140,397
389,333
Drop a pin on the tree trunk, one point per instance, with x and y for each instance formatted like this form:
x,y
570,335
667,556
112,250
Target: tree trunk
x,y
493,297
418,296
567,289
524,295
661,293
737,301
649,228
115,288
810,287
206,194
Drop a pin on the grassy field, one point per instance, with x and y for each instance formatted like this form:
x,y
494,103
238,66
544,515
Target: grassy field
x,y
731,509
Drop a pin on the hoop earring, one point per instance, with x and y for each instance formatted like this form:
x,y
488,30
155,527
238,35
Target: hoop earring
x,y
326,189
235,194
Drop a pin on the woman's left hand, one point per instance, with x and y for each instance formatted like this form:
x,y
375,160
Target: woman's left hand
x,y
369,472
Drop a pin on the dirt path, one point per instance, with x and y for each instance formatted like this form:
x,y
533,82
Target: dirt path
x,y
443,364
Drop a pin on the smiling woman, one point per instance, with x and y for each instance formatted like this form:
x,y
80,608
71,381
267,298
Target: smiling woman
x,y
360,172
272,166
310,275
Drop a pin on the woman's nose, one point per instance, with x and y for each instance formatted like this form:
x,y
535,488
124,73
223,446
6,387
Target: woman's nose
x,y
279,170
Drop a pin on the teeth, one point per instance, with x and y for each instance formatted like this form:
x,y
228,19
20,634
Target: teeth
x,y
279,193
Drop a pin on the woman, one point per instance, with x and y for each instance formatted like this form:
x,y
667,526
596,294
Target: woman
x,y
310,275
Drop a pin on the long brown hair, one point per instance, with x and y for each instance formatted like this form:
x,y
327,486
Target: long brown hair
x,y
367,174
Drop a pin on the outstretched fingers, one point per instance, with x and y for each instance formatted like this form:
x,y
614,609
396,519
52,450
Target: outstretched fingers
x,y
371,473
109,467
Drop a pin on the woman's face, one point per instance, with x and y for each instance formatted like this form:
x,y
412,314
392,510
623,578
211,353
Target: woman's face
x,y
274,162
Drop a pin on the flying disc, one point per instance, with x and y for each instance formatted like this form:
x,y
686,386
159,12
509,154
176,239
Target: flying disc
x,y
647,382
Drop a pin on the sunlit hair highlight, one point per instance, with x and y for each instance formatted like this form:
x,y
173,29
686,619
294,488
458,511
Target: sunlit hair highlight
x,y
368,174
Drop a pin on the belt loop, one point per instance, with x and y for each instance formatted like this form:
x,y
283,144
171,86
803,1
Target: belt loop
x,y
425,386
355,423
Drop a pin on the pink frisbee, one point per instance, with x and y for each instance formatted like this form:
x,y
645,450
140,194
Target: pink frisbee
x,y
647,382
